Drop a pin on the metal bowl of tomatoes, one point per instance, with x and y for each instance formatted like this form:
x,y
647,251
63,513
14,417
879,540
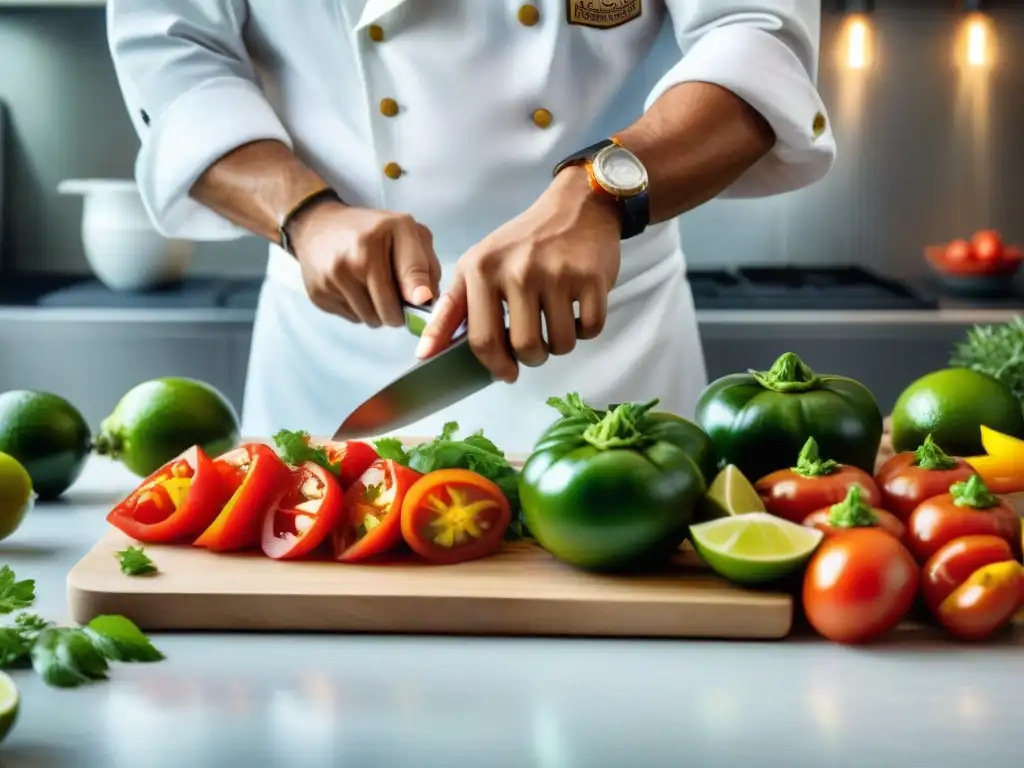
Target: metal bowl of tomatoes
x,y
982,266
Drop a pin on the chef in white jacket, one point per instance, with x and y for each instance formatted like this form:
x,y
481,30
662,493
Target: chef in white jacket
x,y
477,153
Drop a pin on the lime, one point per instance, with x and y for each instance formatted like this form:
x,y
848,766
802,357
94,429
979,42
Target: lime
x,y
9,701
157,420
16,495
754,548
47,435
952,404
730,493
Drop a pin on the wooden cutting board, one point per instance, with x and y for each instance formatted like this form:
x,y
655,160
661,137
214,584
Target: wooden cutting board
x,y
520,591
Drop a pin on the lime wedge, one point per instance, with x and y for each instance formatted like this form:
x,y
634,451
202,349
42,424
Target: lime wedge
x,y
8,704
730,493
754,548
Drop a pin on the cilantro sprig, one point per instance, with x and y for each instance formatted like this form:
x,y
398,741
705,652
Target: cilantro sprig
x,y
135,562
65,657
294,448
473,452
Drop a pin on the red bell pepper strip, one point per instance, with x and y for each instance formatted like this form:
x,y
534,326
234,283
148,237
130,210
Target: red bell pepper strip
x,y
371,519
239,525
175,503
304,515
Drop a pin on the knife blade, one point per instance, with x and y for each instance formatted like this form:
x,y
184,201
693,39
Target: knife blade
x,y
426,388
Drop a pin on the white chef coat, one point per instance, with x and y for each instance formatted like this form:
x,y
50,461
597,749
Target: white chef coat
x,y
201,77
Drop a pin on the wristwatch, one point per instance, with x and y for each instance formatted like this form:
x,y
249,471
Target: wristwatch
x,y
283,233
618,173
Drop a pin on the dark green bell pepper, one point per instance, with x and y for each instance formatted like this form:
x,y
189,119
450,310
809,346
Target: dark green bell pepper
x,y
613,490
760,420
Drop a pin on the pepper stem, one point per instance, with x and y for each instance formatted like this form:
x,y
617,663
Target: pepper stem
x,y
810,464
106,444
852,512
788,374
620,427
573,405
930,456
972,493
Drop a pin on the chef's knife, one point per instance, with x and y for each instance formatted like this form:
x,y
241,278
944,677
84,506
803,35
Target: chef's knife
x,y
426,388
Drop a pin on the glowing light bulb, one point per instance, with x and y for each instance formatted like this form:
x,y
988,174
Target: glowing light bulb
x,y
858,43
977,43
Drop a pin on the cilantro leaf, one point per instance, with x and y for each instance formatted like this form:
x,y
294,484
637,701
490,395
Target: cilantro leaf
x,y
30,623
15,594
15,647
294,448
66,657
372,492
135,562
118,639
391,448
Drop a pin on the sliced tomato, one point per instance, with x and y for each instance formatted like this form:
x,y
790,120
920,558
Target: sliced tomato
x,y
353,456
454,515
304,515
371,520
240,522
175,503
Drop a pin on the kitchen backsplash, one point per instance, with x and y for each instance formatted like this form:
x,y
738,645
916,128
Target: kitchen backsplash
x,y
924,155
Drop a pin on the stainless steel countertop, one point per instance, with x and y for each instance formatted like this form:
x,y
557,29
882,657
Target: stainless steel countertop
x,y
292,700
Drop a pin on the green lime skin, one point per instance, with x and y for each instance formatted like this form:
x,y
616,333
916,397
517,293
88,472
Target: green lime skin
x,y
951,405
761,430
158,420
610,509
48,436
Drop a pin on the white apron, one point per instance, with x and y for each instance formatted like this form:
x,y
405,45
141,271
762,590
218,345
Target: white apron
x,y
308,370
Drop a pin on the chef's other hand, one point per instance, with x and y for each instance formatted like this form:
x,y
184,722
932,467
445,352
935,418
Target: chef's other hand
x,y
355,261
564,249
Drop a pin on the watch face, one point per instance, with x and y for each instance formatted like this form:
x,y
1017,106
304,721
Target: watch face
x,y
620,171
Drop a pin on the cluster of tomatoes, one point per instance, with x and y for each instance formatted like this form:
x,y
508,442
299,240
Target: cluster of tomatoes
x,y
359,505
984,252
933,534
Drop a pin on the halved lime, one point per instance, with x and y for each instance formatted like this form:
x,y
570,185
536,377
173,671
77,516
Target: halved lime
x,y
16,495
754,548
9,701
730,493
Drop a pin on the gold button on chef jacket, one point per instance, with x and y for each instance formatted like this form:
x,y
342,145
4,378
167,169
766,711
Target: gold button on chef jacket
x,y
470,76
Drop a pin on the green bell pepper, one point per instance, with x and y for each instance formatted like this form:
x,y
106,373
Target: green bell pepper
x,y
613,490
760,420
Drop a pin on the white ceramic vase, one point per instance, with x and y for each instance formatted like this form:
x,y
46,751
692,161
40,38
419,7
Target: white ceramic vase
x,y
121,245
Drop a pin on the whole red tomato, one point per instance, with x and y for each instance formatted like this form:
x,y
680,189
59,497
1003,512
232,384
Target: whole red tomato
x,y
814,483
954,562
958,252
859,586
987,246
911,477
968,509
823,520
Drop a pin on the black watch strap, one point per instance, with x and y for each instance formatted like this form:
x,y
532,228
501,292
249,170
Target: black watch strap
x,y
321,195
635,211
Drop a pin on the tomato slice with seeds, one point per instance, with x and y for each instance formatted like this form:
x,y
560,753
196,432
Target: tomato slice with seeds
x,y
453,515
353,456
264,478
304,515
371,520
175,503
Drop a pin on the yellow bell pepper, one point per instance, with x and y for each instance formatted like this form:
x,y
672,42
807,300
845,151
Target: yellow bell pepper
x,y
1005,446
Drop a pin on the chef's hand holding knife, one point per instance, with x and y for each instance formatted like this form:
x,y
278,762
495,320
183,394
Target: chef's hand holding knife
x,y
562,251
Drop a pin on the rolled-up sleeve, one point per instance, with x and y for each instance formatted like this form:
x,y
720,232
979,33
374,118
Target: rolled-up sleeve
x,y
767,54
193,97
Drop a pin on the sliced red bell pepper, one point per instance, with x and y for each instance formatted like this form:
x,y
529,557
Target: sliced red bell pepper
x,y
175,503
371,520
264,478
304,515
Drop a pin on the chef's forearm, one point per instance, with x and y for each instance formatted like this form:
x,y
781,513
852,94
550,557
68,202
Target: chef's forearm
x,y
695,141
256,185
